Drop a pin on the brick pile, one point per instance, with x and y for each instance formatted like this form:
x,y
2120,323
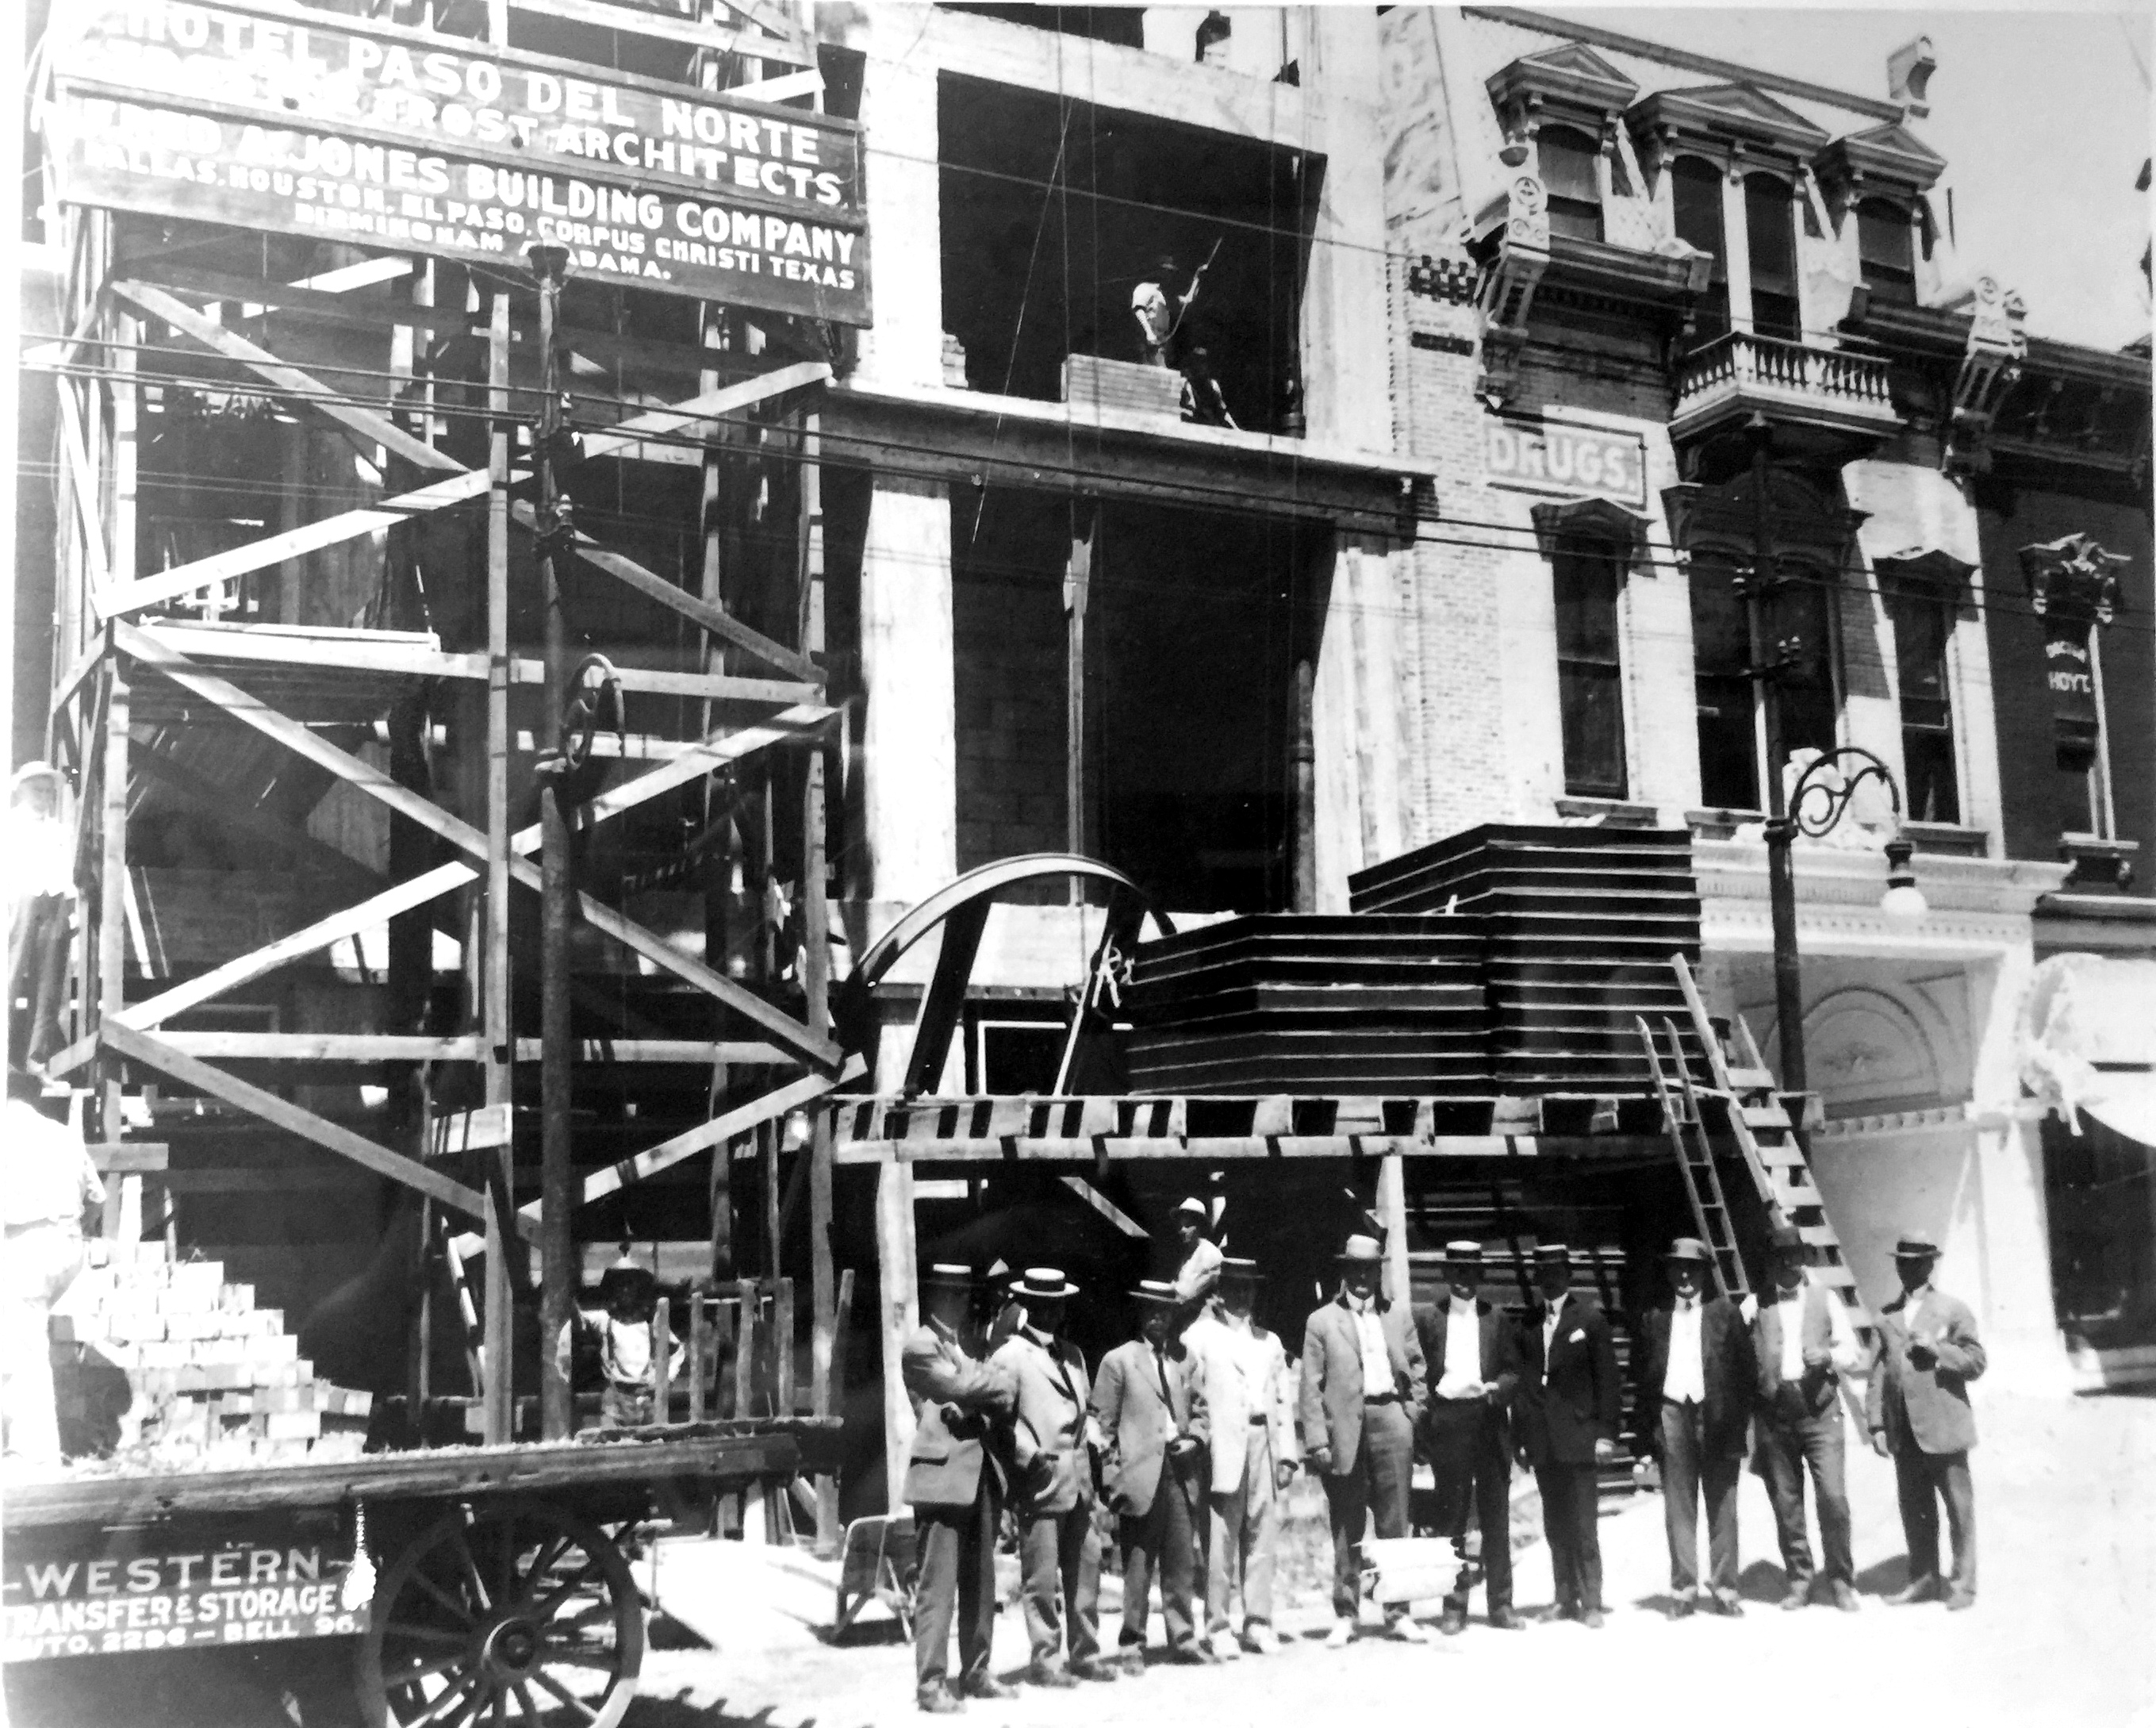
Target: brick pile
x,y
210,1378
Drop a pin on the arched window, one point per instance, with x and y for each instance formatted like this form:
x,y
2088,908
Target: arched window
x,y
1696,202
1568,162
1770,243
1587,576
1886,251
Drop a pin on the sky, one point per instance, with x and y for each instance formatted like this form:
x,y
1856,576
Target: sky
x,y
2043,116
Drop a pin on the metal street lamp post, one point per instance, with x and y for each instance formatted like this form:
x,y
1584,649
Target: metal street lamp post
x,y
1816,801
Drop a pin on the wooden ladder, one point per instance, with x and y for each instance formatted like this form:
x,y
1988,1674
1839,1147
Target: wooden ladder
x,y
1687,1132
1760,1123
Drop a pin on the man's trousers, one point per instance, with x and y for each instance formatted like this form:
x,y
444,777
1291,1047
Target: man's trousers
x,y
1162,1543
1792,1438
1572,1498
1377,1488
1468,1462
1922,1479
1243,1538
956,1551
1692,1471
1060,1560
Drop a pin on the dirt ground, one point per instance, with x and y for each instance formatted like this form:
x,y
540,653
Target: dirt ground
x,y
2067,1514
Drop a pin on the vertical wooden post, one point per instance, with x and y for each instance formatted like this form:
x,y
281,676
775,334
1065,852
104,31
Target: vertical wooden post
x,y
126,424
900,1314
662,1361
698,1347
745,1350
1077,587
782,1346
767,1144
112,887
495,1389
1393,1212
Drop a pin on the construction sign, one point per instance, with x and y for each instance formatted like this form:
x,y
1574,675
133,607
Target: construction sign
x,y
257,115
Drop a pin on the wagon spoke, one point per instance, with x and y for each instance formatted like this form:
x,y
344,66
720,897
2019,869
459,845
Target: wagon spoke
x,y
551,1605
508,1538
425,1634
525,1703
441,1595
542,1562
605,1661
471,1569
566,1695
424,1667
433,1713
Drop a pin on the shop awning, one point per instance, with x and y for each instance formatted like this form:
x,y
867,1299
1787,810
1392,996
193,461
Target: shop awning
x,y
2088,1041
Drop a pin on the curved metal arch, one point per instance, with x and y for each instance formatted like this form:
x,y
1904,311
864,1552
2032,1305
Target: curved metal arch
x,y
961,909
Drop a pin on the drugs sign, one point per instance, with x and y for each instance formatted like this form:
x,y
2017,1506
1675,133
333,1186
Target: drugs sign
x,y
241,1593
303,122
1553,456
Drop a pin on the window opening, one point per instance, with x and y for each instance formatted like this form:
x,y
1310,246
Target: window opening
x,y
1590,680
1568,162
1886,251
1696,201
1721,662
1923,626
1770,243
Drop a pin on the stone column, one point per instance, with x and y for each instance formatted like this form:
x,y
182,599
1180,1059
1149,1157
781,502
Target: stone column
x,y
898,103
1358,720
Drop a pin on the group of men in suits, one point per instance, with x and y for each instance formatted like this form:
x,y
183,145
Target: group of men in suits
x,y
1192,1435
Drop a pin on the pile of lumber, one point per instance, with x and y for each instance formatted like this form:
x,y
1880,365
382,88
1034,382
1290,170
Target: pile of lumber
x,y
187,1368
1506,960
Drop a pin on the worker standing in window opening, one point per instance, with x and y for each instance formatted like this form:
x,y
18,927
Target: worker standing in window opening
x,y
50,1183
1159,307
621,1327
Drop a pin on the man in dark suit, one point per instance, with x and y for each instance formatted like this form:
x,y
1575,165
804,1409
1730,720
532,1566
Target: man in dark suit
x,y
1359,1408
1567,1410
1916,1406
1149,1405
955,1485
1698,1383
1472,1354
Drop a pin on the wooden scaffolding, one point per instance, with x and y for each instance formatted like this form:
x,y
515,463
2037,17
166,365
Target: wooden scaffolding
x,y
382,412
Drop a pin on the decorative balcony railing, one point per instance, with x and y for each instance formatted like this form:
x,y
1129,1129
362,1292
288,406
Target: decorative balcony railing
x,y
1742,369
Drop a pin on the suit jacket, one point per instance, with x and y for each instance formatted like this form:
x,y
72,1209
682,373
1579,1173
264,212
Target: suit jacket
x,y
1497,1353
1728,1367
1232,1402
1562,1411
1054,1439
957,1402
1820,1385
1933,1400
1141,1418
1330,1405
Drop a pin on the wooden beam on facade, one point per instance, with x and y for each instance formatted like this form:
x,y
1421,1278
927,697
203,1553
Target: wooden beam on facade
x,y
323,1046
403,897
161,1055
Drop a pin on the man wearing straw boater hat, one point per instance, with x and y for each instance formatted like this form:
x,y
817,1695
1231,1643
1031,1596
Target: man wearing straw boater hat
x,y
1052,1448
1151,1411
1362,1395
1697,1388
1473,1356
1567,1409
1249,1403
1916,1406
954,1482
1803,1343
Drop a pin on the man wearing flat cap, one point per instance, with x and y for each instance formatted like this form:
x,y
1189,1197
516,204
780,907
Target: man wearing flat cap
x,y
1198,1273
1250,1403
1053,1438
1567,1412
1149,1405
1803,1343
1916,1406
954,1482
1361,1401
1696,1387
1472,1354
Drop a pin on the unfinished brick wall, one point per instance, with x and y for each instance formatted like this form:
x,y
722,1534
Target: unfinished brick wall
x,y
1010,641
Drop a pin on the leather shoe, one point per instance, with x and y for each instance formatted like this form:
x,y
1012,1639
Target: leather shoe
x,y
1192,1656
1683,1608
1727,1607
1845,1596
1917,1590
1343,1634
1799,1597
1505,1620
1130,1659
1096,1668
1039,1674
1453,1622
1406,1630
940,1703
987,1687
1260,1640
1565,1611
1959,1599
1591,1618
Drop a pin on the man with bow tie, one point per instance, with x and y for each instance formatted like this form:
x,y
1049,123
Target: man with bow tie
x,y
1149,1406
1361,1397
1567,1409
1698,1386
954,1482
1473,1355
1054,1435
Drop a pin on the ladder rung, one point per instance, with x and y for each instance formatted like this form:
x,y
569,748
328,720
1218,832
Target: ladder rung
x,y
1751,1080
1765,1116
1782,1157
1819,1236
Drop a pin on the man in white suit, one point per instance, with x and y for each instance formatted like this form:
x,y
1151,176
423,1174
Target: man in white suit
x,y
1250,1401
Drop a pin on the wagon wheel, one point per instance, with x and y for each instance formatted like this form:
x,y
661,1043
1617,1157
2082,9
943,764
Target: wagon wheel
x,y
520,1615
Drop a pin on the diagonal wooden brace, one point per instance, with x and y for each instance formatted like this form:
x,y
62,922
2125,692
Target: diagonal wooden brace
x,y
155,1052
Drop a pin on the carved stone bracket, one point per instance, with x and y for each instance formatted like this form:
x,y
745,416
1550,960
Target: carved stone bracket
x,y
2073,579
1990,366
1509,284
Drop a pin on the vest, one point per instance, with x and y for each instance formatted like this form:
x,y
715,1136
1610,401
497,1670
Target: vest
x,y
1818,1385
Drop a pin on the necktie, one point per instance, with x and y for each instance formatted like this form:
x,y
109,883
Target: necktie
x,y
1160,1367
